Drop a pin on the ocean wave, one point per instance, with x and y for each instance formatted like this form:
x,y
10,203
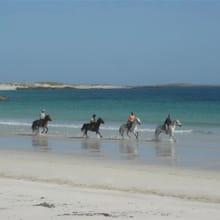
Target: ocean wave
x,y
14,123
203,132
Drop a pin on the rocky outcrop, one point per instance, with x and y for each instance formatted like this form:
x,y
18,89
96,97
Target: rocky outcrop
x,y
2,98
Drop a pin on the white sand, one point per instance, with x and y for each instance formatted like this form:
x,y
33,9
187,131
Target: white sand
x,y
82,188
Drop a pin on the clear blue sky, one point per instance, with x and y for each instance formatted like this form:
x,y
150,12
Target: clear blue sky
x,y
119,42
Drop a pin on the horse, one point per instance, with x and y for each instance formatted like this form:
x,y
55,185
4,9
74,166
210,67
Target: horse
x,y
171,129
124,128
92,127
41,123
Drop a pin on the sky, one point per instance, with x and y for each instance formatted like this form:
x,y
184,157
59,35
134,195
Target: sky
x,y
109,41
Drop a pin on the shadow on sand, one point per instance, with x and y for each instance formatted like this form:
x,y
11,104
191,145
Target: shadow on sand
x,y
40,141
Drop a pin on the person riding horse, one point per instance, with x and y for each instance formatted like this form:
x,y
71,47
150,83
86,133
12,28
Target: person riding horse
x,y
92,126
167,123
93,121
42,122
42,114
131,119
133,129
170,128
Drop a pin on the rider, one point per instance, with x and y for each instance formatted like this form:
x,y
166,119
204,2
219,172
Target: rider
x,y
93,120
167,123
131,119
42,114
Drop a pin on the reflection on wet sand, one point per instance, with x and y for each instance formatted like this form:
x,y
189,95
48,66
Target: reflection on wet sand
x,y
128,147
91,144
40,141
165,150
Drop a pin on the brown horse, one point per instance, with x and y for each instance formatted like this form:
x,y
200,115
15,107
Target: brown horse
x,y
41,123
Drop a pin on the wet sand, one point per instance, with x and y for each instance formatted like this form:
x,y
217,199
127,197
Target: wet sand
x,y
49,185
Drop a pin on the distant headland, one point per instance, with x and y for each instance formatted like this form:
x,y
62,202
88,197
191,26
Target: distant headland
x,y
56,85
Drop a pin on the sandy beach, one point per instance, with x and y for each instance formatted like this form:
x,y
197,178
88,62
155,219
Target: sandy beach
x,y
53,186
110,109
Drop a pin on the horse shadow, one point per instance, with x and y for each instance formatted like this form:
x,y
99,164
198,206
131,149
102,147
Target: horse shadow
x,y
165,150
40,141
129,148
91,144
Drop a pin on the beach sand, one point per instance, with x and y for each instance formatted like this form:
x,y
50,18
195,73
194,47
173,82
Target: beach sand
x,y
42,185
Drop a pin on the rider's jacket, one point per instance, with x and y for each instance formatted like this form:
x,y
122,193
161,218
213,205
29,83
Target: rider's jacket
x,y
92,120
42,115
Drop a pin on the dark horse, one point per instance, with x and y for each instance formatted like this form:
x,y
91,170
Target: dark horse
x,y
90,127
41,123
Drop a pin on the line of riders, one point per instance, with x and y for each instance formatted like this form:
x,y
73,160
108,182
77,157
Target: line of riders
x,y
93,121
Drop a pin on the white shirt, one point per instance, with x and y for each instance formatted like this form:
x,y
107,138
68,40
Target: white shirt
x,y
42,115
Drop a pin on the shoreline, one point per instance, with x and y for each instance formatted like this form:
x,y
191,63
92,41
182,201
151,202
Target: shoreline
x,y
187,153
124,177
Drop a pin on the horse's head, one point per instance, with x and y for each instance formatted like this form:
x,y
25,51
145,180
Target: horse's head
x,y
177,123
100,121
138,121
48,118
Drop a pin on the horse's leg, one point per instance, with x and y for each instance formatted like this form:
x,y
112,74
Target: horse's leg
x,y
156,134
98,132
43,130
34,129
86,133
121,132
136,135
171,136
128,134
83,135
46,130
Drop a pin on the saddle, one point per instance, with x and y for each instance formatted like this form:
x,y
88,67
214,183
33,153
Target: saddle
x,y
92,125
129,125
164,128
40,122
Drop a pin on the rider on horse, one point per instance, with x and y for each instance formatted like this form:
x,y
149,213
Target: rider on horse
x,y
93,120
167,123
42,122
131,119
42,114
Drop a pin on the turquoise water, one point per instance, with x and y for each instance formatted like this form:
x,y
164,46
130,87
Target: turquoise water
x,y
196,107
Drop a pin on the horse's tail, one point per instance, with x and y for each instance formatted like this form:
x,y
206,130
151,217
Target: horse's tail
x,y
34,125
157,132
121,130
83,127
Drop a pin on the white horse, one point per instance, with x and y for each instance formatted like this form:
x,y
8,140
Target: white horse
x,y
171,129
133,129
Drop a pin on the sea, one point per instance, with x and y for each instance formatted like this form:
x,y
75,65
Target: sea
x,y
196,107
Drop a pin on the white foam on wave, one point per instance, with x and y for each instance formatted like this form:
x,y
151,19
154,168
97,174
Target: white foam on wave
x,y
184,131
14,123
